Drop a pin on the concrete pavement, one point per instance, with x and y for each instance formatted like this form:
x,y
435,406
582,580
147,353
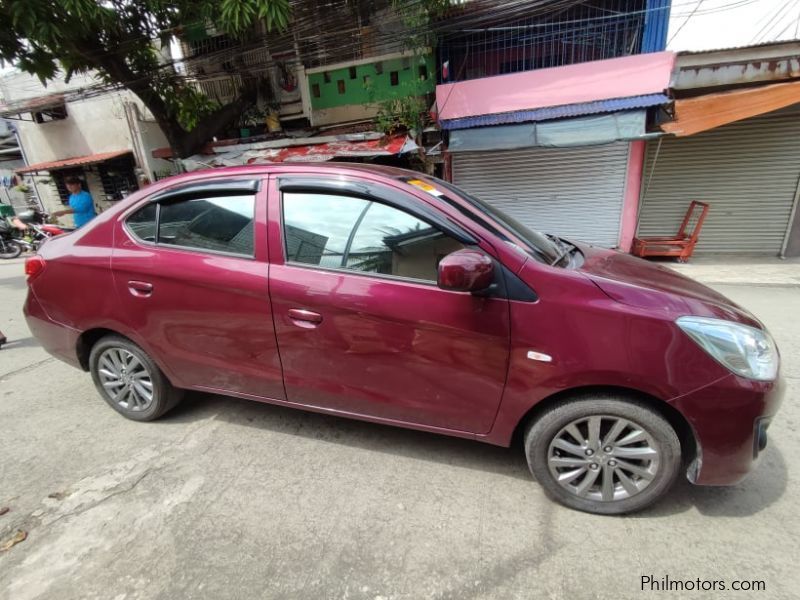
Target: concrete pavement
x,y
226,498
762,271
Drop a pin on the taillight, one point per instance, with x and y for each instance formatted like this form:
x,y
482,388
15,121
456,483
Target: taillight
x,y
34,265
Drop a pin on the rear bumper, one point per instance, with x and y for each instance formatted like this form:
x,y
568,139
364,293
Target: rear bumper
x,y
57,339
729,419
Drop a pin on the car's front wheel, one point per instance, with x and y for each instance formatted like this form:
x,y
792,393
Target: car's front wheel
x,y
603,454
129,380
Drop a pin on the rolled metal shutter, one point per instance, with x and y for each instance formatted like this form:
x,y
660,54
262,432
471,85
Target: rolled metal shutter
x,y
573,192
747,171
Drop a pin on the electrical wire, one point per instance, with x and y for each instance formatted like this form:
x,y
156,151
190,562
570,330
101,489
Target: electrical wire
x,y
775,20
304,29
299,24
677,31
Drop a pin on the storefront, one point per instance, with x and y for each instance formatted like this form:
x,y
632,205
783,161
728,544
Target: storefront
x,y
573,192
747,171
559,149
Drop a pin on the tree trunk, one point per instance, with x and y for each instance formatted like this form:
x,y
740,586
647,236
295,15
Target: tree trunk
x,y
192,142
186,143
183,143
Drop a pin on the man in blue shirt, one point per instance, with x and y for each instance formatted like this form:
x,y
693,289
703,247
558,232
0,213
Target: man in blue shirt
x,y
81,205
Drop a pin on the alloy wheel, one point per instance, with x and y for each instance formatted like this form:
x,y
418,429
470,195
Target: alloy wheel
x,y
603,458
125,379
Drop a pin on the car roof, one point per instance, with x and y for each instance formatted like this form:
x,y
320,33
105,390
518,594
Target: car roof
x,y
268,168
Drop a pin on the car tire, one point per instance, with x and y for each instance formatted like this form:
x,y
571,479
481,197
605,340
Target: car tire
x,y
603,454
129,381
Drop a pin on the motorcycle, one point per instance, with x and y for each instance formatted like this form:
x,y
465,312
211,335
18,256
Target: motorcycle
x,y
32,230
9,246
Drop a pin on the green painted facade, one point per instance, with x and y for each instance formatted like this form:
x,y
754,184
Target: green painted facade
x,y
373,82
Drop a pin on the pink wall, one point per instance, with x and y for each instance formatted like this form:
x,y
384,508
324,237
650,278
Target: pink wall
x,y
571,84
630,203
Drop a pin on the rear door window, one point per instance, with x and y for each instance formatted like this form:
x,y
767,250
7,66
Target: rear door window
x,y
217,224
142,223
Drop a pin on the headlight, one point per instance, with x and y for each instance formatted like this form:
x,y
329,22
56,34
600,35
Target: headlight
x,y
746,351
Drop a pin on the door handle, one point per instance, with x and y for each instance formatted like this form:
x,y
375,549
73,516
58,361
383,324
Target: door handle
x,y
304,318
141,289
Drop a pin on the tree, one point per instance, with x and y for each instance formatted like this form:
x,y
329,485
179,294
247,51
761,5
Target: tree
x,y
117,40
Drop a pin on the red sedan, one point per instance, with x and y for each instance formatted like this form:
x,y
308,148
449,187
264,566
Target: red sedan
x,y
384,295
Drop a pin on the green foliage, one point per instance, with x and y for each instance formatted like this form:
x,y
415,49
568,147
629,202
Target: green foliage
x,y
408,111
189,106
116,39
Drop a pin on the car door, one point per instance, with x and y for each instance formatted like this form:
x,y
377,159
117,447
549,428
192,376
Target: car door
x,y
362,327
191,276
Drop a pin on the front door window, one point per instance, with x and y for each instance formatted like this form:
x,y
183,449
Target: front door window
x,y
343,232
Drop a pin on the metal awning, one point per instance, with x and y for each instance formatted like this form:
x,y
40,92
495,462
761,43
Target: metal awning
x,y
27,105
593,87
702,113
564,133
73,162
566,111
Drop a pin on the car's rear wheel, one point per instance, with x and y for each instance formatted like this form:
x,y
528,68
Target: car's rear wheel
x,y
603,454
130,381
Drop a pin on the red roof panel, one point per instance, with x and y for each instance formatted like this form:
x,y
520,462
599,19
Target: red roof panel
x,y
73,162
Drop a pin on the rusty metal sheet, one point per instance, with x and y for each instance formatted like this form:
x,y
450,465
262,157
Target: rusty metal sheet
x,y
702,113
72,162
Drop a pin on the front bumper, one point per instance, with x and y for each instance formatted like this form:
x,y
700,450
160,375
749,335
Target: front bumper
x,y
729,420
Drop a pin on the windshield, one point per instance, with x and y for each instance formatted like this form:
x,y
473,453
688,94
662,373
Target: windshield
x,y
535,243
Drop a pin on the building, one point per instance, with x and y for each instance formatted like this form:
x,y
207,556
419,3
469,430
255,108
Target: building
x,y
732,140
72,129
12,190
323,91
546,115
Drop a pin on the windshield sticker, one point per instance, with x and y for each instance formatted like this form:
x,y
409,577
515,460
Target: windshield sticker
x,y
425,187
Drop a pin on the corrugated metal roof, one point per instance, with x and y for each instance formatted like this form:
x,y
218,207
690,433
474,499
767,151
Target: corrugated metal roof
x,y
701,113
558,112
746,47
31,104
599,80
73,162
656,24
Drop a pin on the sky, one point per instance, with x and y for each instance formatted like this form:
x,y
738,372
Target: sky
x,y
709,24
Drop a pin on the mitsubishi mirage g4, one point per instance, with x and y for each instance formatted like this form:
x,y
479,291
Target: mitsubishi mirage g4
x,y
388,296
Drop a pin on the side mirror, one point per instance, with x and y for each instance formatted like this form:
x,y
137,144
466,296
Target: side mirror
x,y
466,271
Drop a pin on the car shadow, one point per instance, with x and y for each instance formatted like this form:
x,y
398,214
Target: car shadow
x,y
373,437
763,487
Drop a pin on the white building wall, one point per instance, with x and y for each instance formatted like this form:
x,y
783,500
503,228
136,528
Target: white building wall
x,y
93,125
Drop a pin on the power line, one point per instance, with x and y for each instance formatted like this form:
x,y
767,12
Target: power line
x,y
304,29
764,31
691,14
